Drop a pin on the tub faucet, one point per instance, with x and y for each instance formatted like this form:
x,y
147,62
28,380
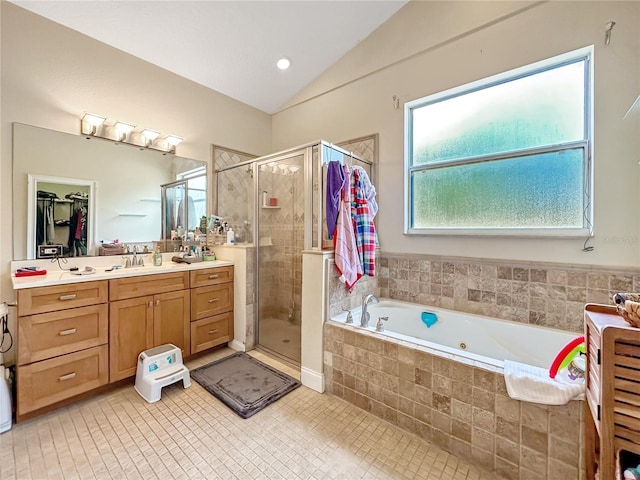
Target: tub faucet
x,y
379,325
364,317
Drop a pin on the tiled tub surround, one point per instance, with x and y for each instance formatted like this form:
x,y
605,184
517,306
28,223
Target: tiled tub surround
x,y
464,409
551,295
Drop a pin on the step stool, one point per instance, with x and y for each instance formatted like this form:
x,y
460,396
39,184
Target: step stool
x,y
157,368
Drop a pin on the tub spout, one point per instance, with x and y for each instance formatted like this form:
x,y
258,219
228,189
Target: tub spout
x,y
364,317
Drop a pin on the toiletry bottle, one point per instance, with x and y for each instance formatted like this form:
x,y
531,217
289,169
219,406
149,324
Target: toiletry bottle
x,y
157,258
230,236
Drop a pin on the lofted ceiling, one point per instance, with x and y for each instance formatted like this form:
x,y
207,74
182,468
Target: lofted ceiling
x,y
229,46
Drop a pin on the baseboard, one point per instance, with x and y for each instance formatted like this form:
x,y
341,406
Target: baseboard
x,y
312,379
237,346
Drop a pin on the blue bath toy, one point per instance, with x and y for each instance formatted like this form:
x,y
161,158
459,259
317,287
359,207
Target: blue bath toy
x,y
429,319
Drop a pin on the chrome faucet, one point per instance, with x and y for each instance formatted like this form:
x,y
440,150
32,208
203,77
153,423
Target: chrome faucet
x,y
133,260
364,316
379,325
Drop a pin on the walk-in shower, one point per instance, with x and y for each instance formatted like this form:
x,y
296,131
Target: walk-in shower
x,y
276,203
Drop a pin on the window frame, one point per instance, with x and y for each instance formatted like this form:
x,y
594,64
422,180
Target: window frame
x,y
586,144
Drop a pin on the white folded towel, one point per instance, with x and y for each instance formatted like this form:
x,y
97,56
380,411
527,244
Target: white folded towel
x,y
532,384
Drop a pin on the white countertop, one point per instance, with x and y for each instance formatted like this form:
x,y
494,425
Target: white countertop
x,y
102,265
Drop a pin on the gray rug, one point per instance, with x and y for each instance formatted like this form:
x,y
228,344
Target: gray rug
x,y
244,384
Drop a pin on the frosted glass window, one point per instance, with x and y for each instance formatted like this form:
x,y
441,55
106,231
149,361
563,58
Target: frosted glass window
x,y
538,191
507,153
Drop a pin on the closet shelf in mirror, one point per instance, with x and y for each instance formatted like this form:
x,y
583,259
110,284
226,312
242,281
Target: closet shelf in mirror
x,y
150,200
268,207
132,214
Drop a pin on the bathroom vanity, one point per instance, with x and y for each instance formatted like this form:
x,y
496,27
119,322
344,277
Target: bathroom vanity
x,y
77,334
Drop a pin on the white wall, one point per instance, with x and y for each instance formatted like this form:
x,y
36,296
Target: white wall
x,y
428,47
52,75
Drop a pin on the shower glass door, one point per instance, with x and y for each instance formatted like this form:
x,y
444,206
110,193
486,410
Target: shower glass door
x,y
279,255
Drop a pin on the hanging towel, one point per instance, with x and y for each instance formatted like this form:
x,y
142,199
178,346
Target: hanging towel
x,y
335,182
368,190
532,384
346,251
365,230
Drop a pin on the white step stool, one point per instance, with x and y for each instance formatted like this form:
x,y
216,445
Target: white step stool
x,y
157,368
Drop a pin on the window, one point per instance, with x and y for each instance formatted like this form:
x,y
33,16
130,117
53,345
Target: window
x,y
508,154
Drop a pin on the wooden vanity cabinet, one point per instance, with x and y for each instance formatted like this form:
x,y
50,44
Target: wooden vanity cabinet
x,y
145,312
612,419
61,343
211,307
75,338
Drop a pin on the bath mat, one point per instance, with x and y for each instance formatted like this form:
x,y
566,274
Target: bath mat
x,y
244,384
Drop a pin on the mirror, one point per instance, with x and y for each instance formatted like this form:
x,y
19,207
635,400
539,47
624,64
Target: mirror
x,y
60,216
126,182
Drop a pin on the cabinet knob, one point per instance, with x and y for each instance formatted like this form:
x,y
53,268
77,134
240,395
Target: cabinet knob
x,y
211,332
70,331
157,303
68,297
68,376
151,303
214,300
211,277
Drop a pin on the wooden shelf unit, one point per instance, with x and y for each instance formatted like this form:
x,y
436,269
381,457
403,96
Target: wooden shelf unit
x,y
612,419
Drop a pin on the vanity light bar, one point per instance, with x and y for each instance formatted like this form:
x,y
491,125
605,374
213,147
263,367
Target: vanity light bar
x,y
98,126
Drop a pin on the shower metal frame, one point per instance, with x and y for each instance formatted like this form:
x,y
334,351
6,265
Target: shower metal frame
x,y
308,171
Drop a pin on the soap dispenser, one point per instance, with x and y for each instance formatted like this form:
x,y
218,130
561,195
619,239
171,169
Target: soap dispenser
x,y
157,258
230,236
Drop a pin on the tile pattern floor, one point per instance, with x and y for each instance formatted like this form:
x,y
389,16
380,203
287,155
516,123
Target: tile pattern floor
x,y
190,434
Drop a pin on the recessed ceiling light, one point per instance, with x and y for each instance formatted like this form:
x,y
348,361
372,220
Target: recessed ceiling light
x,y
283,63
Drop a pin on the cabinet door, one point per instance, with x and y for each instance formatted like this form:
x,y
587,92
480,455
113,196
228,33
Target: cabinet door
x,y
48,335
50,381
130,333
60,297
209,332
137,286
209,301
211,276
171,321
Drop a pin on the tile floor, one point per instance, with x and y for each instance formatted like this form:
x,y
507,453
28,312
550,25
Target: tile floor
x,y
190,434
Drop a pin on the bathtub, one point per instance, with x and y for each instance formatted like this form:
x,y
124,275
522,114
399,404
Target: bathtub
x,y
473,339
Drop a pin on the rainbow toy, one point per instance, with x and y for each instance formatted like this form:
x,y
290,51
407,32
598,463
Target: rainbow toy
x,y
566,354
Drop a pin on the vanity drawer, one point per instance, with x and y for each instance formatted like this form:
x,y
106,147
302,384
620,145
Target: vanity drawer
x,y
50,381
210,332
60,297
208,301
211,276
48,335
141,285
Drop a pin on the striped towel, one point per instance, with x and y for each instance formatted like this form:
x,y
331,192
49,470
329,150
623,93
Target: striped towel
x,y
365,230
532,384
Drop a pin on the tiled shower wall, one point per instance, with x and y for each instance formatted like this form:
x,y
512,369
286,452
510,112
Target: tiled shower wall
x,y
234,192
280,265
